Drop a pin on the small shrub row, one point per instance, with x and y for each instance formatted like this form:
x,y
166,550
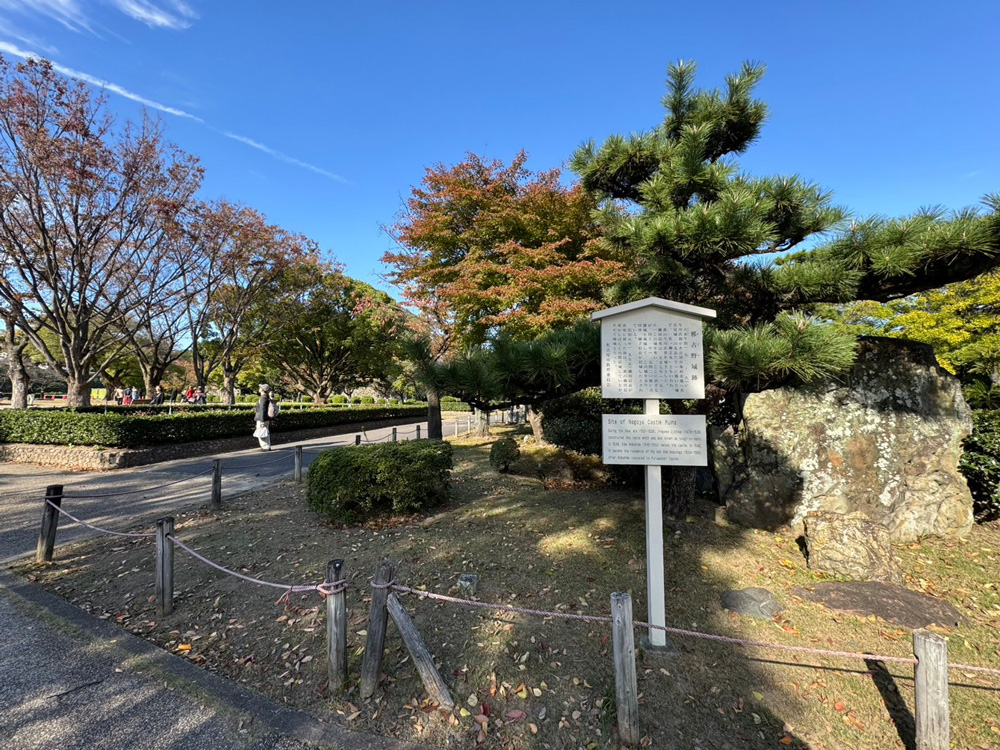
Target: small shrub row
x,y
113,430
356,483
453,404
981,464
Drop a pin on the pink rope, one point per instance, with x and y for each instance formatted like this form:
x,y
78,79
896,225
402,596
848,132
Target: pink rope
x,y
324,589
69,515
678,631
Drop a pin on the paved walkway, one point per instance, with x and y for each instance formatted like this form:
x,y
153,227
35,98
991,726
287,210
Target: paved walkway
x,y
70,680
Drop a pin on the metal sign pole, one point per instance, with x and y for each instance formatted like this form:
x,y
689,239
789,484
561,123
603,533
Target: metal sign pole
x,y
655,584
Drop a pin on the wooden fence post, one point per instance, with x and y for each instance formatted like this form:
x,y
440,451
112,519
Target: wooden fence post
x,y
50,522
371,665
217,483
626,687
931,688
418,432
420,654
298,463
394,434
336,627
357,440
164,566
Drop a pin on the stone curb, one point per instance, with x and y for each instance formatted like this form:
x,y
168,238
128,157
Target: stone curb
x,y
290,722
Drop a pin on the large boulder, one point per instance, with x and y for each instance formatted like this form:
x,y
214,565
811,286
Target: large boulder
x,y
886,441
849,545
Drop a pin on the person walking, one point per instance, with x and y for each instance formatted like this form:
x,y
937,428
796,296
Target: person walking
x,y
157,396
263,416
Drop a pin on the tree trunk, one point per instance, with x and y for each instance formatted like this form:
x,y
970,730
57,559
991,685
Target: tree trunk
x,y
482,423
434,431
680,498
20,381
535,420
229,387
77,393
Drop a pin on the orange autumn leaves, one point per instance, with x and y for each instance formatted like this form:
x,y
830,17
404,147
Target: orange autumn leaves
x,y
502,247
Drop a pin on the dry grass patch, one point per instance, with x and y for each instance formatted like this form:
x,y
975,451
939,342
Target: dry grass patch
x,y
546,683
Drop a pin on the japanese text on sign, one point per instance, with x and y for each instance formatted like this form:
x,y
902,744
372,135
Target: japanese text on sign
x,y
655,440
651,353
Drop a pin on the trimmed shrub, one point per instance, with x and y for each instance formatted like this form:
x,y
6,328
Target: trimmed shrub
x,y
981,464
367,400
338,400
503,453
355,483
453,404
134,430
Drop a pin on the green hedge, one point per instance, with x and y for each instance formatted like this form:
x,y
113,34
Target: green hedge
x,y
355,483
453,404
64,427
981,464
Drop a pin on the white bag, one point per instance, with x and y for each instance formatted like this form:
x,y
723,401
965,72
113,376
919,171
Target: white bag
x,y
261,431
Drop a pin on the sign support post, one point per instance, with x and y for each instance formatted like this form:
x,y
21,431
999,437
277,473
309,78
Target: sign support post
x,y
655,579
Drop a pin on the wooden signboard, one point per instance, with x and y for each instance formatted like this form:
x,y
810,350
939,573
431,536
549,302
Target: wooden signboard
x,y
652,349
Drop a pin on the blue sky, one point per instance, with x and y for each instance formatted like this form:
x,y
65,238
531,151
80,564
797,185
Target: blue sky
x,y
323,115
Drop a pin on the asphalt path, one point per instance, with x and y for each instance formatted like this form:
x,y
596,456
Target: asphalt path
x,y
71,681
121,499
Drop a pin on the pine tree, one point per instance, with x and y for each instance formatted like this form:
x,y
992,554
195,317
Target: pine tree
x,y
694,228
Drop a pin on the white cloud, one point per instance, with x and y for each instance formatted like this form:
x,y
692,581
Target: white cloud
x,y
67,12
284,157
172,14
10,49
163,14
11,31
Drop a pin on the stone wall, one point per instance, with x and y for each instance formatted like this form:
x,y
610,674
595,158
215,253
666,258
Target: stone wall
x,y
886,441
106,459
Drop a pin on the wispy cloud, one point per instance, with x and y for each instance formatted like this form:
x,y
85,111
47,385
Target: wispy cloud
x,y
10,49
69,13
163,14
172,14
284,157
12,32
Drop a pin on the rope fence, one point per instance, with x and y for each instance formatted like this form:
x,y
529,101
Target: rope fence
x,y
63,511
672,631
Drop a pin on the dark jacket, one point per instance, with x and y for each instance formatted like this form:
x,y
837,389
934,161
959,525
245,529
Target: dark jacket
x,y
263,403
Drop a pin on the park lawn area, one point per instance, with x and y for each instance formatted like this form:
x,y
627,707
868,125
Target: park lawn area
x,y
547,683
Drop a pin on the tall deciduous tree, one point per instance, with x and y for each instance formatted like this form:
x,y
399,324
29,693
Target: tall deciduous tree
x,y
961,321
84,210
490,247
330,333
240,262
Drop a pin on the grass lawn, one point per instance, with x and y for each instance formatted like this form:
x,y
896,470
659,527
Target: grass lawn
x,y
547,683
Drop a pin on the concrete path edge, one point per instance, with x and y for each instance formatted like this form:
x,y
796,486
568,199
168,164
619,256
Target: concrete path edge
x,y
287,721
